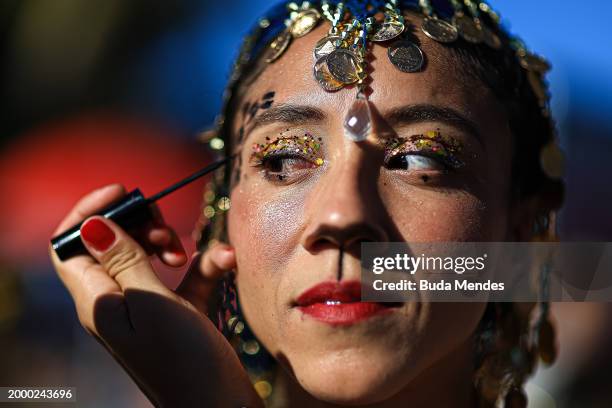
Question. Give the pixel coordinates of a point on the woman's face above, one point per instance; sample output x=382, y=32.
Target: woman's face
x=297, y=220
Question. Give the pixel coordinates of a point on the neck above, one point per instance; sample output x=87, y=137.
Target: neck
x=447, y=383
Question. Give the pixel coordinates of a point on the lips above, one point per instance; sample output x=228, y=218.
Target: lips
x=339, y=303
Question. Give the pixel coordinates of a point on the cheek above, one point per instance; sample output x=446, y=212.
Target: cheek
x=264, y=230
x=430, y=215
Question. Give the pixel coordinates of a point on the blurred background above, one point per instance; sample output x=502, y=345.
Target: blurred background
x=117, y=91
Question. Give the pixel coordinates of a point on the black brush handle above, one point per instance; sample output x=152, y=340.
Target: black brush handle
x=129, y=212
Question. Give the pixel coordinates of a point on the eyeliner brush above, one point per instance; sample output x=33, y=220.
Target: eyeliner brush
x=211, y=167
x=130, y=212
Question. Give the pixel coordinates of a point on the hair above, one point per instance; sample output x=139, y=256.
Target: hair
x=531, y=125
x=505, y=354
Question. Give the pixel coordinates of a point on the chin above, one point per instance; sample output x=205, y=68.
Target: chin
x=353, y=377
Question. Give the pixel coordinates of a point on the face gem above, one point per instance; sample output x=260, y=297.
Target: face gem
x=358, y=121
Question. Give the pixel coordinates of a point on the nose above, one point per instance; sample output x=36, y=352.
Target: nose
x=347, y=209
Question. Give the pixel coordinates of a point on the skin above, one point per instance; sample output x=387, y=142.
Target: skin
x=306, y=229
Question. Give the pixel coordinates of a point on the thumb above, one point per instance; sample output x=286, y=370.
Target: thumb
x=120, y=256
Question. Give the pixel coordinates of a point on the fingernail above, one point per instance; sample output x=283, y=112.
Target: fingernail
x=178, y=252
x=225, y=257
x=97, y=234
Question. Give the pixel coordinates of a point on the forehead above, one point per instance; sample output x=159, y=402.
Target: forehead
x=441, y=82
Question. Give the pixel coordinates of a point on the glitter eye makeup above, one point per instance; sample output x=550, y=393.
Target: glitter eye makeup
x=281, y=156
x=412, y=153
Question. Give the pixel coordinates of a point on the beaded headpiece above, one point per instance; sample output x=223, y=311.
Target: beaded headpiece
x=340, y=58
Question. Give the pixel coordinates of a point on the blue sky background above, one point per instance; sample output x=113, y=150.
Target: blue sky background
x=577, y=38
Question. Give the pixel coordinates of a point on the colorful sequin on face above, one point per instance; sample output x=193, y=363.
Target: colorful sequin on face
x=432, y=144
x=304, y=145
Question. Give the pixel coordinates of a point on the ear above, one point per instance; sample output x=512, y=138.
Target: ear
x=523, y=213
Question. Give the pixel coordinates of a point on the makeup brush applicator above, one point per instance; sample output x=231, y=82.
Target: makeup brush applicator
x=129, y=212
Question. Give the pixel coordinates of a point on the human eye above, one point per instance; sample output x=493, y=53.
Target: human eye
x=428, y=152
x=414, y=162
x=287, y=159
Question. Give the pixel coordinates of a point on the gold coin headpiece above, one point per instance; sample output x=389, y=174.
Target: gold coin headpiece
x=341, y=56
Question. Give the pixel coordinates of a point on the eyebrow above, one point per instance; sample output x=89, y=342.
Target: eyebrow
x=288, y=114
x=291, y=114
x=410, y=114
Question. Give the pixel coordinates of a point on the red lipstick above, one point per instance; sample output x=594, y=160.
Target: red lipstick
x=339, y=303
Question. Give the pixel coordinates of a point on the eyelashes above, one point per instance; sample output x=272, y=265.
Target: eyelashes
x=305, y=145
x=416, y=149
x=284, y=156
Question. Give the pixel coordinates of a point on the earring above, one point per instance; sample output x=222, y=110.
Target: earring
x=259, y=364
x=515, y=398
x=544, y=336
x=229, y=321
x=544, y=330
x=543, y=343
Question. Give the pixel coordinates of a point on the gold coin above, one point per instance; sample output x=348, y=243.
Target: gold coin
x=263, y=388
x=324, y=78
x=343, y=65
x=552, y=161
x=304, y=23
x=468, y=29
x=439, y=30
x=325, y=45
x=534, y=62
x=538, y=86
x=388, y=30
x=490, y=38
x=277, y=47
x=406, y=56
x=250, y=347
x=224, y=203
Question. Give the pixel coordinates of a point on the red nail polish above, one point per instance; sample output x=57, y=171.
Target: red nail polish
x=97, y=234
x=178, y=252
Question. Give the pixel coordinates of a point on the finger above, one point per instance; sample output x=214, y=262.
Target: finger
x=87, y=283
x=158, y=218
x=83, y=278
x=160, y=236
x=167, y=246
x=120, y=256
x=166, y=243
x=90, y=204
x=217, y=260
x=203, y=274
x=193, y=287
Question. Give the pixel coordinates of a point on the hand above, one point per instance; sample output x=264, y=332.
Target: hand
x=161, y=338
